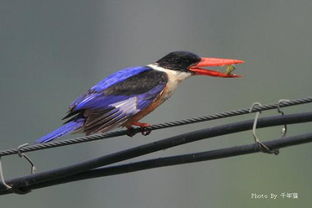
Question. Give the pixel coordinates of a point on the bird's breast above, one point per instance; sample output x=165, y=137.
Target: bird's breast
x=174, y=78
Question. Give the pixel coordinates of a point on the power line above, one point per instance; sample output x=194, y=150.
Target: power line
x=66, y=174
x=35, y=147
x=179, y=159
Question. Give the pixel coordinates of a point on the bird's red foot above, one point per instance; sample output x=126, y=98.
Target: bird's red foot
x=140, y=124
x=143, y=127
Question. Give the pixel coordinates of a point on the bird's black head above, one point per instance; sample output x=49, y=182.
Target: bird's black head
x=178, y=60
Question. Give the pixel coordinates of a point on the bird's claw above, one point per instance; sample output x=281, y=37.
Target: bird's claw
x=264, y=148
x=133, y=131
x=145, y=131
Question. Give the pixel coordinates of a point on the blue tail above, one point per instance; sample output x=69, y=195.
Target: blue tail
x=63, y=130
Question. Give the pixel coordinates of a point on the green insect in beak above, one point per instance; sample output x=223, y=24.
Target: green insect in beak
x=229, y=69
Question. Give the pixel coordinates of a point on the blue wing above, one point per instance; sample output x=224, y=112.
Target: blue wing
x=112, y=101
x=87, y=100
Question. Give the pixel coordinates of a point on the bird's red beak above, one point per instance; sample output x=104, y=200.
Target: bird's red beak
x=206, y=62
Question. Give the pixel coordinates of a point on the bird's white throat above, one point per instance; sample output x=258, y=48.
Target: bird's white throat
x=174, y=78
x=173, y=75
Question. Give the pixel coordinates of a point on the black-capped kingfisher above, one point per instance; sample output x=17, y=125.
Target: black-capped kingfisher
x=126, y=96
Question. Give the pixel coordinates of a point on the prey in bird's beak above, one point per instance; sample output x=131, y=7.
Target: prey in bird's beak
x=206, y=62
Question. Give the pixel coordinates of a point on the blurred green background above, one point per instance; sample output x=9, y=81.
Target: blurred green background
x=52, y=51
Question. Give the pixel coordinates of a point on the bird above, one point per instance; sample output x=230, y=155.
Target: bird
x=123, y=98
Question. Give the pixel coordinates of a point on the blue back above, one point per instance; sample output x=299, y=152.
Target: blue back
x=83, y=101
x=118, y=76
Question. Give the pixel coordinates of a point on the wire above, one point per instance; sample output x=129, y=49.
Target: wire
x=179, y=159
x=66, y=173
x=215, y=116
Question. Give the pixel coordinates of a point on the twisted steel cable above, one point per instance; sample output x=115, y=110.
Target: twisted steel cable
x=35, y=147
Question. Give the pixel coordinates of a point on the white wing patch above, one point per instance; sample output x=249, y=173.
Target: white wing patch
x=128, y=106
x=121, y=112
